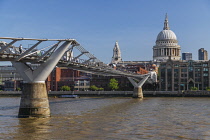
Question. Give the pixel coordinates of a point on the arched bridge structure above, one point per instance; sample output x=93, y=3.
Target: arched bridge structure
x=37, y=61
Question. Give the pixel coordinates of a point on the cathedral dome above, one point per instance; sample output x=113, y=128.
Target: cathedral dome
x=166, y=35
x=166, y=46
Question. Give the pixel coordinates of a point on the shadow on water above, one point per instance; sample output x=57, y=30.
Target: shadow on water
x=65, y=100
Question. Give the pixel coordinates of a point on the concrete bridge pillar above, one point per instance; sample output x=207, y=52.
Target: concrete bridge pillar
x=34, y=101
x=137, y=92
x=137, y=83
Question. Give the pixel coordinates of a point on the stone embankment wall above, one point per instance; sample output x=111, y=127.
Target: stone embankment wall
x=119, y=93
x=10, y=93
x=92, y=93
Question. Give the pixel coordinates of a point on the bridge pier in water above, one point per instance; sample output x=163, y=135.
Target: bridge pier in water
x=137, y=92
x=34, y=99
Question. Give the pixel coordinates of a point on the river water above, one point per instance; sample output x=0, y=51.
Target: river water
x=117, y=118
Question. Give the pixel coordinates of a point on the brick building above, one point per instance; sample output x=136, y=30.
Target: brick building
x=62, y=76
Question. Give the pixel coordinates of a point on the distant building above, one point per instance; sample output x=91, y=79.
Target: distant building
x=177, y=75
x=186, y=56
x=202, y=54
x=116, y=58
x=62, y=76
x=103, y=81
x=166, y=45
x=9, y=78
x=141, y=67
x=12, y=85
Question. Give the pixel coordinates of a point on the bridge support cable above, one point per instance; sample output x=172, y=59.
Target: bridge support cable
x=52, y=49
x=7, y=46
x=27, y=51
x=34, y=98
x=78, y=56
x=86, y=61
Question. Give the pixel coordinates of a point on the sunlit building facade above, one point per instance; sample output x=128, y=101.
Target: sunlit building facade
x=176, y=75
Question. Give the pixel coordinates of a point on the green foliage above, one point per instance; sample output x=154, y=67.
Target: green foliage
x=65, y=88
x=18, y=89
x=100, y=89
x=95, y=88
x=208, y=88
x=193, y=88
x=113, y=84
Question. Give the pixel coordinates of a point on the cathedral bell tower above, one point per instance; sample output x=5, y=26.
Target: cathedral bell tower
x=116, y=58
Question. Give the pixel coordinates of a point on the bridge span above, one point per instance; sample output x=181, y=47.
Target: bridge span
x=37, y=61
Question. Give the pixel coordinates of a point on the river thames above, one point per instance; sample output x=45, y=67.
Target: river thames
x=117, y=118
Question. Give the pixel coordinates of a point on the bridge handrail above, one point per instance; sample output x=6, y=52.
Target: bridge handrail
x=92, y=64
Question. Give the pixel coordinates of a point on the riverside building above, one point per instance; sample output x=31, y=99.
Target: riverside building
x=176, y=75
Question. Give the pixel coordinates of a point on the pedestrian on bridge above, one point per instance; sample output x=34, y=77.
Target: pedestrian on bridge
x=20, y=48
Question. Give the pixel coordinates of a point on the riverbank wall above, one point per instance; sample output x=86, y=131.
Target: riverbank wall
x=119, y=93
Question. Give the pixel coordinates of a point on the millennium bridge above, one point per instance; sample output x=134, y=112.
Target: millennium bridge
x=36, y=62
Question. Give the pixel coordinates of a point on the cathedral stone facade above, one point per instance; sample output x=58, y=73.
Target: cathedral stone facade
x=166, y=45
x=116, y=58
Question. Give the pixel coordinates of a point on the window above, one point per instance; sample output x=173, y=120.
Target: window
x=163, y=65
x=205, y=74
x=205, y=69
x=197, y=69
x=183, y=80
x=183, y=75
x=205, y=65
x=176, y=65
x=197, y=75
x=176, y=70
x=183, y=70
x=197, y=79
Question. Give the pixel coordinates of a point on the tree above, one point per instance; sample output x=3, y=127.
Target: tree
x=194, y=88
x=93, y=87
x=65, y=88
x=100, y=89
x=18, y=89
x=208, y=88
x=113, y=84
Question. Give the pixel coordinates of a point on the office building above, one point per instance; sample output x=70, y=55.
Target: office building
x=202, y=54
x=186, y=56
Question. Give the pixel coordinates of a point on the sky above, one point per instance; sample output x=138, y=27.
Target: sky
x=98, y=24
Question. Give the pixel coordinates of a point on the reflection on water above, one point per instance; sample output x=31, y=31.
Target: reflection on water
x=110, y=118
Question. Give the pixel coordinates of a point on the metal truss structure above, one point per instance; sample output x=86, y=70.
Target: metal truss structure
x=83, y=61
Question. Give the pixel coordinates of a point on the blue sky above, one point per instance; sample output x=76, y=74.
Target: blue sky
x=97, y=24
